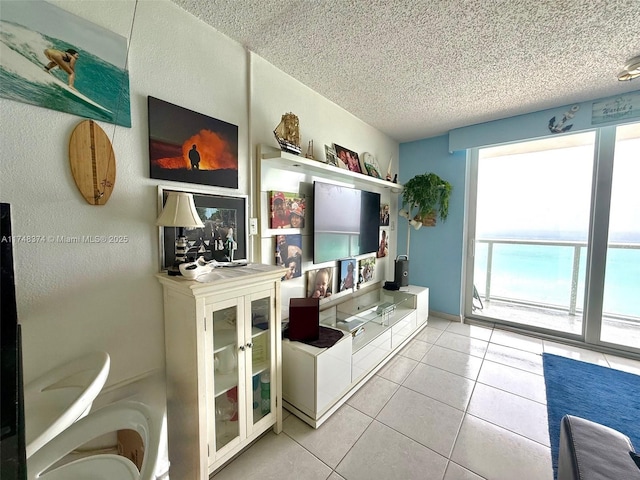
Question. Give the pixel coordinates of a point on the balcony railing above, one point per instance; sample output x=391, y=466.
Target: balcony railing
x=571, y=304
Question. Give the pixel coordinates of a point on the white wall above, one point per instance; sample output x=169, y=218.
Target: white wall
x=324, y=122
x=82, y=297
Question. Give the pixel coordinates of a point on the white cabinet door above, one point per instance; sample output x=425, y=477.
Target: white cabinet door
x=240, y=336
x=259, y=352
x=224, y=334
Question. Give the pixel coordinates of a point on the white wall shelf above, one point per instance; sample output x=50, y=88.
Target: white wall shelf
x=279, y=159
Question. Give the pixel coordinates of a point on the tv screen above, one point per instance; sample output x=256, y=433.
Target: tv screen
x=345, y=222
x=12, y=431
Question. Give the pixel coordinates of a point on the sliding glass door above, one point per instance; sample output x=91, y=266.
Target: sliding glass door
x=554, y=235
x=621, y=299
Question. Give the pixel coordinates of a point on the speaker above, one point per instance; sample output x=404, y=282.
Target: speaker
x=401, y=277
x=304, y=319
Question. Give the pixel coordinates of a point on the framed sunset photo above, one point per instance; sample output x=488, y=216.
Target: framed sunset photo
x=187, y=146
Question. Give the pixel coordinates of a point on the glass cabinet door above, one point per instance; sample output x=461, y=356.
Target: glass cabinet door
x=223, y=334
x=261, y=347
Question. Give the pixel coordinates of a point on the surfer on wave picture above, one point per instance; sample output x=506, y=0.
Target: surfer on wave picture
x=64, y=60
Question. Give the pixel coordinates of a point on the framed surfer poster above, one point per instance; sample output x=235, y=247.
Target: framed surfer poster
x=54, y=59
x=223, y=238
x=187, y=146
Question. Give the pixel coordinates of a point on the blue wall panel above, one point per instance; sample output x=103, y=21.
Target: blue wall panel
x=435, y=257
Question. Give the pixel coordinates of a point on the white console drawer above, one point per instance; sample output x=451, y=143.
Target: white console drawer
x=333, y=373
x=314, y=377
x=370, y=355
x=403, y=329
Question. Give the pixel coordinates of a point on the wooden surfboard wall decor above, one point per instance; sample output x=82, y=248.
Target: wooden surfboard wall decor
x=93, y=163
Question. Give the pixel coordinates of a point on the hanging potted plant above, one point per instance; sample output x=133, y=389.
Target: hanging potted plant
x=424, y=198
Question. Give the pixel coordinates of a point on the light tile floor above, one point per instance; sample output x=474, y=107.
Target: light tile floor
x=459, y=402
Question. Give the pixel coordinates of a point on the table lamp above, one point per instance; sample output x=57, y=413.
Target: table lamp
x=179, y=211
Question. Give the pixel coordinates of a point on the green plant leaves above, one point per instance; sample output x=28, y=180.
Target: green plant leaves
x=427, y=192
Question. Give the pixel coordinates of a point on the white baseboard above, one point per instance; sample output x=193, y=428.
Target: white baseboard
x=446, y=316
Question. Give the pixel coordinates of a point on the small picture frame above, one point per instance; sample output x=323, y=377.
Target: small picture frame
x=348, y=275
x=330, y=156
x=320, y=282
x=367, y=269
x=369, y=165
x=349, y=158
x=384, y=214
x=383, y=247
x=289, y=255
x=287, y=210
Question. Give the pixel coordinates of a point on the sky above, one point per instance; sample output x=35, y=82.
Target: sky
x=551, y=190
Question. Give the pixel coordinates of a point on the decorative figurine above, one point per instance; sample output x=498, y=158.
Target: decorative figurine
x=231, y=243
x=560, y=127
x=388, y=178
x=309, y=153
x=288, y=133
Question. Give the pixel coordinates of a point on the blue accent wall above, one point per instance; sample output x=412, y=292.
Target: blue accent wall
x=436, y=253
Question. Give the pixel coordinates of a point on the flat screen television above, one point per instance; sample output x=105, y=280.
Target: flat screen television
x=345, y=222
x=12, y=428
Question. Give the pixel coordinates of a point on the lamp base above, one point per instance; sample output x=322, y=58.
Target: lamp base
x=174, y=271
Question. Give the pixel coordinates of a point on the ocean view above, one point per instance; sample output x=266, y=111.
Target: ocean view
x=543, y=274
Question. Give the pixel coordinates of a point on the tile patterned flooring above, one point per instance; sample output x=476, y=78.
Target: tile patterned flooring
x=459, y=402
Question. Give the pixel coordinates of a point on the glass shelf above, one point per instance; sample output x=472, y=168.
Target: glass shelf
x=223, y=339
x=387, y=308
x=369, y=316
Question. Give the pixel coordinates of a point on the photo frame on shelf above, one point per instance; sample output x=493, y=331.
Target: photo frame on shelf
x=348, y=275
x=224, y=236
x=320, y=282
x=330, y=156
x=349, y=158
x=187, y=146
x=369, y=165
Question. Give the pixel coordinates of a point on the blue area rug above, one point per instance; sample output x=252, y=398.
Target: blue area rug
x=599, y=394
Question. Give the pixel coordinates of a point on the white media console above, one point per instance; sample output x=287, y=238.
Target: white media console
x=375, y=325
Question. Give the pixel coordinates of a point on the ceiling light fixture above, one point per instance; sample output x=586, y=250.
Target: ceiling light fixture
x=631, y=70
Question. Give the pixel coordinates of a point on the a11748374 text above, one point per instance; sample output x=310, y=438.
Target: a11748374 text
x=100, y=239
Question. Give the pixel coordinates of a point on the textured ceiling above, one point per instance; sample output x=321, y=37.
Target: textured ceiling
x=416, y=69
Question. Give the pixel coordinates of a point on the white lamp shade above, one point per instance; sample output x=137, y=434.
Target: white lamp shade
x=415, y=224
x=179, y=211
x=404, y=213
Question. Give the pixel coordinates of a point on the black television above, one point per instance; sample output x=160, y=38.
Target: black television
x=345, y=222
x=12, y=429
